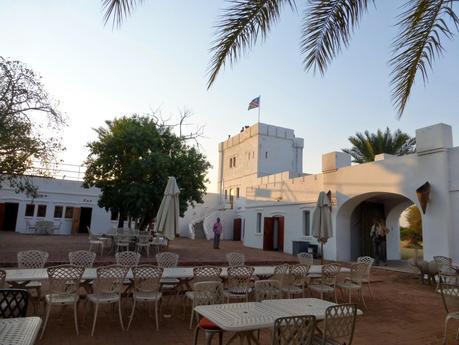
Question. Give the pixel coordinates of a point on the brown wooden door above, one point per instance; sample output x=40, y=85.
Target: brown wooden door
x=237, y=229
x=268, y=230
x=76, y=220
x=280, y=234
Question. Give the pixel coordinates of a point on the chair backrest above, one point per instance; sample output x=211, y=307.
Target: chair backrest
x=13, y=303
x=235, y=259
x=368, y=260
x=147, y=278
x=206, y=273
x=329, y=273
x=358, y=272
x=444, y=263
x=144, y=238
x=294, y=330
x=167, y=259
x=305, y=258
x=208, y=292
x=32, y=259
x=127, y=258
x=280, y=273
x=83, y=258
x=450, y=296
x=297, y=274
x=110, y=279
x=267, y=289
x=339, y=323
x=2, y=279
x=239, y=279
x=64, y=279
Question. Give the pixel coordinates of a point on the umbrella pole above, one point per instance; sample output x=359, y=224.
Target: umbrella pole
x=321, y=253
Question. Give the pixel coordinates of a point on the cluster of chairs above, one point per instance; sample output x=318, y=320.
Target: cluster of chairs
x=287, y=281
x=448, y=287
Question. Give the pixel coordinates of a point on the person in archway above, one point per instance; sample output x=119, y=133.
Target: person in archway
x=378, y=235
x=217, y=229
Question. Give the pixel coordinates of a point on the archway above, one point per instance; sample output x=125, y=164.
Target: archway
x=355, y=218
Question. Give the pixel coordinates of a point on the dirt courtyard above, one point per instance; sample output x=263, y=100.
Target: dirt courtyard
x=402, y=310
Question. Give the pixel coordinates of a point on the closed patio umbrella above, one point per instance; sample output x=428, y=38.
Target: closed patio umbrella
x=321, y=221
x=167, y=218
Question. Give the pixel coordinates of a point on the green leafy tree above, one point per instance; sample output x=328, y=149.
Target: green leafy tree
x=327, y=28
x=366, y=145
x=131, y=161
x=412, y=233
x=29, y=125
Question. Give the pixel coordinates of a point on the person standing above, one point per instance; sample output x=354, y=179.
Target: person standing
x=218, y=229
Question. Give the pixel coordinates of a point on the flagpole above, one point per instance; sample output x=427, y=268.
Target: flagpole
x=259, y=108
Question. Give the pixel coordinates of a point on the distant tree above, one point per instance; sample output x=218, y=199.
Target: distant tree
x=131, y=161
x=366, y=145
x=328, y=26
x=413, y=232
x=29, y=124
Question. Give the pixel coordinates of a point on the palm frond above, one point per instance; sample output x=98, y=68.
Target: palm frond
x=118, y=10
x=328, y=25
x=239, y=28
x=422, y=26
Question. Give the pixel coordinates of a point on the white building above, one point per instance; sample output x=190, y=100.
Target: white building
x=265, y=195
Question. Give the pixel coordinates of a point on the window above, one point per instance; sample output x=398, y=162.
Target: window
x=258, y=223
x=69, y=212
x=234, y=162
x=58, y=211
x=226, y=194
x=41, y=211
x=29, y=210
x=306, y=223
x=231, y=162
x=237, y=192
x=266, y=154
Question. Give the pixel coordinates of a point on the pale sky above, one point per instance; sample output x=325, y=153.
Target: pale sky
x=159, y=57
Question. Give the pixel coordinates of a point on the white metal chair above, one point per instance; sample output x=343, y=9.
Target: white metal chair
x=83, y=258
x=32, y=259
x=146, y=288
x=122, y=241
x=128, y=259
x=267, y=289
x=64, y=282
x=95, y=243
x=295, y=280
x=235, y=259
x=450, y=297
x=327, y=284
x=305, y=258
x=107, y=289
x=280, y=273
x=339, y=325
x=366, y=278
x=143, y=243
x=238, y=283
x=2, y=279
x=446, y=271
x=202, y=274
x=168, y=260
x=354, y=282
x=207, y=293
x=294, y=330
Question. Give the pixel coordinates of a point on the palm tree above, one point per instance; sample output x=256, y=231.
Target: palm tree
x=327, y=27
x=366, y=145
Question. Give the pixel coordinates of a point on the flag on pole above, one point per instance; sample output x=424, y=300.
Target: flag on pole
x=255, y=103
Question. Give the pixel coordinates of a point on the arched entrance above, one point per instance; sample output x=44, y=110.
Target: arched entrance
x=356, y=217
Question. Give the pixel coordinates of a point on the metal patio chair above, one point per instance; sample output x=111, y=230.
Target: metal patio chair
x=338, y=327
x=207, y=293
x=327, y=284
x=267, y=289
x=294, y=330
x=143, y=243
x=107, y=289
x=235, y=259
x=128, y=259
x=30, y=259
x=13, y=303
x=280, y=273
x=202, y=274
x=83, y=258
x=450, y=297
x=147, y=284
x=446, y=271
x=2, y=279
x=168, y=260
x=122, y=241
x=238, y=283
x=64, y=282
x=354, y=281
x=295, y=280
x=366, y=278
